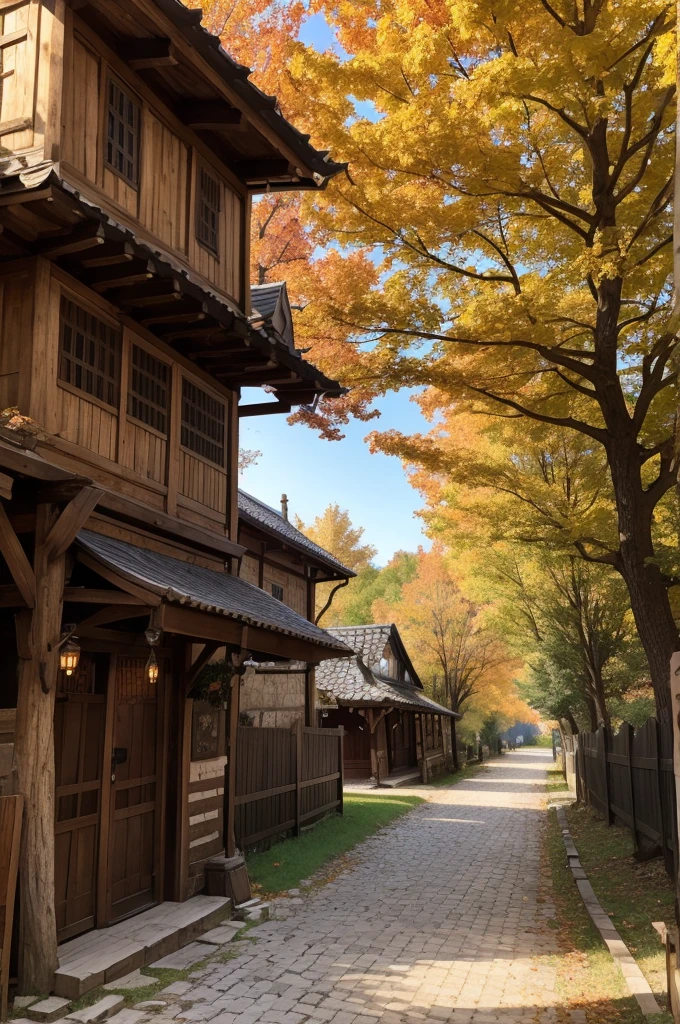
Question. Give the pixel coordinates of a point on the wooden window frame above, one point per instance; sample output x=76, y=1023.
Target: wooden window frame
x=134, y=343
x=203, y=203
x=215, y=397
x=64, y=381
x=112, y=82
x=278, y=586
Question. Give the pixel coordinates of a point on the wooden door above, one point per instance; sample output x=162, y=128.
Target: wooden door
x=134, y=863
x=78, y=745
x=401, y=740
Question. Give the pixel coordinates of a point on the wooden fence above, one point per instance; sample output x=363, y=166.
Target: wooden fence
x=284, y=779
x=628, y=778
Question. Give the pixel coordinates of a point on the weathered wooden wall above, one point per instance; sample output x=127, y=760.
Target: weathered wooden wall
x=163, y=207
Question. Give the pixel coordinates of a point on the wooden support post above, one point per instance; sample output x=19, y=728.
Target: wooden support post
x=375, y=766
x=310, y=696
x=299, y=740
x=229, y=814
x=606, y=744
x=341, y=769
x=38, y=633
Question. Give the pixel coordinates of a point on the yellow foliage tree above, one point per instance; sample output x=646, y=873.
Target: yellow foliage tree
x=334, y=531
x=512, y=181
x=455, y=649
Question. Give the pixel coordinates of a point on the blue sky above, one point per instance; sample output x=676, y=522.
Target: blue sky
x=315, y=473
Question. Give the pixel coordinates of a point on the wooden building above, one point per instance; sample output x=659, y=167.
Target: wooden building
x=282, y=561
x=131, y=147
x=394, y=733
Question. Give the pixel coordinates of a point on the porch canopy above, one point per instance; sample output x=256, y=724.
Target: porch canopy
x=203, y=603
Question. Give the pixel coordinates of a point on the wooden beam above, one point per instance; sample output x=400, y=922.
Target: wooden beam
x=71, y=520
x=263, y=409
x=135, y=511
x=86, y=236
x=20, y=460
x=106, y=278
x=17, y=562
x=174, y=318
x=144, y=596
x=113, y=613
x=210, y=116
x=19, y=124
x=264, y=170
x=12, y=38
x=199, y=664
x=152, y=295
x=6, y=483
x=194, y=332
x=153, y=52
x=85, y=595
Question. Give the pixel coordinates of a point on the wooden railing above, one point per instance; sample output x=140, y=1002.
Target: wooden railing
x=285, y=778
x=628, y=778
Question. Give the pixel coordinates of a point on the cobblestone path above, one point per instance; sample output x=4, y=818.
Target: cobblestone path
x=438, y=919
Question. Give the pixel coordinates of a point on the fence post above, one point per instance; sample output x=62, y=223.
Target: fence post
x=630, y=735
x=299, y=740
x=341, y=769
x=606, y=744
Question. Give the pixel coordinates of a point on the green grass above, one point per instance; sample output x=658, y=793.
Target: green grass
x=468, y=771
x=587, y=977
x=287, y=863
x=633, y=893
x=556, y=782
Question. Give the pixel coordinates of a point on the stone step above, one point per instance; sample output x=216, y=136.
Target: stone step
x=106, y=954
x=402, y=779
x=47, y=1010
x=101, y=1010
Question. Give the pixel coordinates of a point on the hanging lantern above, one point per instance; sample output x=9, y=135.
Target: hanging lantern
x=152, y=668
x=69, y=656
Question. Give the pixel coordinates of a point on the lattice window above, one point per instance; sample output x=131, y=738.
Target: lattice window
x=149, y=389
x=277, y=591
x=208, y=211
x=82, y=680
x=89, y=353
x=122, y=135
x=132, y=681
x=202, y=423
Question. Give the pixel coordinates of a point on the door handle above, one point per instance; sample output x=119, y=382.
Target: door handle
x=118, y=756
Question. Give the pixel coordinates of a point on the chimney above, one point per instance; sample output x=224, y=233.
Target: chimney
x=284, y=506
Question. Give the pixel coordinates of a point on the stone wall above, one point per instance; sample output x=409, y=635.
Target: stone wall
x=274, y=700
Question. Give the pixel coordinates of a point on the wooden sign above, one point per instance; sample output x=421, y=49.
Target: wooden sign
x=11, y=809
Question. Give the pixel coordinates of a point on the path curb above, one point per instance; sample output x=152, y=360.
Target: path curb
x=638, y=985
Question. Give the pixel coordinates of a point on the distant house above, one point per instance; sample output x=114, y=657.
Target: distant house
x=280, y=560
x=394, y=733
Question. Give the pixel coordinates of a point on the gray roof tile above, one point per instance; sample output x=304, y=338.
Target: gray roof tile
x=218, y=592
x=253, y=510
x=352, y=681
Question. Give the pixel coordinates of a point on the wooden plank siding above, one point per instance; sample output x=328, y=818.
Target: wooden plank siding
x=18, y=94
x=162, y=208
x=117, y=450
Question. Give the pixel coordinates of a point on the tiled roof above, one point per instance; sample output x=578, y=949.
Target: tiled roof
x=265, y=297
x=218, y=592
x=351, y=680
x=255, y=511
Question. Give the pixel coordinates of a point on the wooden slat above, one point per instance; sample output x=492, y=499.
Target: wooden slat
x=19, y=124
x=11, y=810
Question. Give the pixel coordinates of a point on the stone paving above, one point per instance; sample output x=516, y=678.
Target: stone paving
x=437, y=918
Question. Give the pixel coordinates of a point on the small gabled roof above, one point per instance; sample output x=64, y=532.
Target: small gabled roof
x=271, y=302
x=194, y=586
x=357, y=681
x=252, y=510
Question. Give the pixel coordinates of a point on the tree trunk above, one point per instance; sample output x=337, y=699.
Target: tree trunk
x=597, y=684
x=454, y=746
x=647, y=591
x=38, y=635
